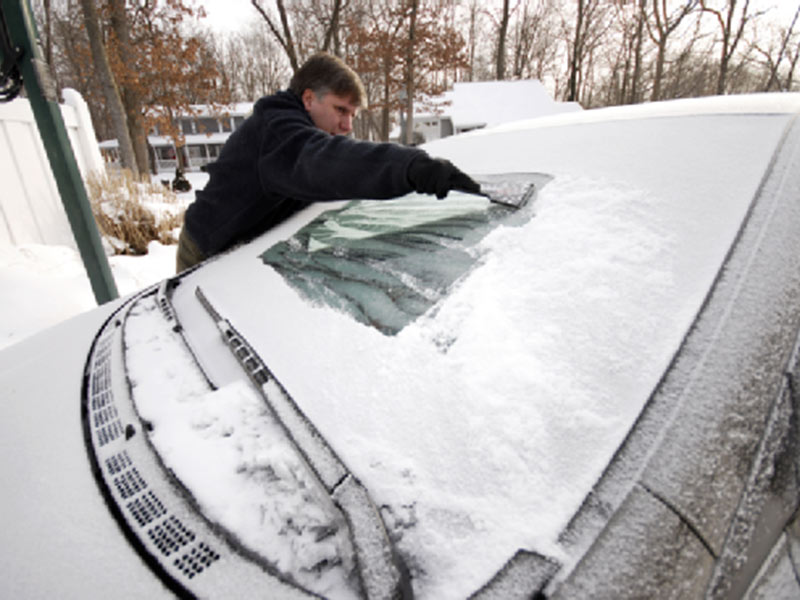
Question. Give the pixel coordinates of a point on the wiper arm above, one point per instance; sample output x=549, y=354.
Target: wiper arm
x=381, y=571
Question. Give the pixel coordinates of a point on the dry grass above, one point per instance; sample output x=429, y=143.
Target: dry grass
x=123, y=208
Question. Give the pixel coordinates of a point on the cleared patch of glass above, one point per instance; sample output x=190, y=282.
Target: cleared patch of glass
x=385, y=263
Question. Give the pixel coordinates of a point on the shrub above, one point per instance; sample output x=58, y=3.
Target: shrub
x=130, y=213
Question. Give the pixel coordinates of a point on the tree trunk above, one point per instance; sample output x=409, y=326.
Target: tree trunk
x=473, y=17
x=665, y=24
x=730, y=38
x=500, y=64
x=285, y=39
x=659, y=74
x=110, y=90
x=332, y=32
x=48, y=34
x=386, y=109
x=773, y=72
x=575, y=59
x=637, y=55
x=409, y=108
x=131, y=98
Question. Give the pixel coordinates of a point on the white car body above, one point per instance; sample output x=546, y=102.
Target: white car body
x=602, y=380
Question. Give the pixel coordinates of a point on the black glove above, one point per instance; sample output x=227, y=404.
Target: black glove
x=438, y=176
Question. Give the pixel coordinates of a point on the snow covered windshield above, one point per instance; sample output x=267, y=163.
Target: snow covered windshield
x=476, y=368
x=387, y=263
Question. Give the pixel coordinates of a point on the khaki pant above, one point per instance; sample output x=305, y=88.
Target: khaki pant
x=188, y=253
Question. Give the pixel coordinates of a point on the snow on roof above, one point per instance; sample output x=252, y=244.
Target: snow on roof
x=475, y=105
x=208, y=110
x=239, y=109
x=490, y=103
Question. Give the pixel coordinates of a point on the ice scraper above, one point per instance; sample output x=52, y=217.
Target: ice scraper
x=513, y=192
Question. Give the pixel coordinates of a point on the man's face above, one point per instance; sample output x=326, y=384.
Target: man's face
x=331, y=113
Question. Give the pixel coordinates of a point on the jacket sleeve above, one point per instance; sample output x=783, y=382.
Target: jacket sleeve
x=298, y=160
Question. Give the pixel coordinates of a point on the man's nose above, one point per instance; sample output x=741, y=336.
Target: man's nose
x=346, y=124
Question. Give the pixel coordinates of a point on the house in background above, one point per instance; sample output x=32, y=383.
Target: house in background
x=476, y=105
x=205, y=132
x=468, y=106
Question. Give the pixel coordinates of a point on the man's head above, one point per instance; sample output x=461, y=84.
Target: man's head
x=331, y=92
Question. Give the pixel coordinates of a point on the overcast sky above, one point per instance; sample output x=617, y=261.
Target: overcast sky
x=231, y=15
x=228, y=15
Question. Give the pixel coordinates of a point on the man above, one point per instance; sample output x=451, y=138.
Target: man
x=293, y=151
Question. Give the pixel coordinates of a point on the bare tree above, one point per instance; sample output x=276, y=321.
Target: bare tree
x=48, y=32
x=631, y=89
x=375, y=48
x=625, y=57
x=590, y=26
x=502, y=33
x=663, y=25
x=774, y=57
x=793, y=58
x=109, y=85
x=409, y=89
x=283, y=34
x=535, y=43
x=130, y=94
x=251, y=63
x=472, y=37
x=691, y=70
x=732, y=23
x=331, y=43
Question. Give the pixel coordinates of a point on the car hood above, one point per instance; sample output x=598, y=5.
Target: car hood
x=59, y=537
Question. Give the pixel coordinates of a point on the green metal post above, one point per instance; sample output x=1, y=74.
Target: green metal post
x=44, y=102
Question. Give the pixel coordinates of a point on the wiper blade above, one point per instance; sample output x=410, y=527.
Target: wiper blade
x=381, y=571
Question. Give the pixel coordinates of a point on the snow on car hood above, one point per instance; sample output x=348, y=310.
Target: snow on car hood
x=481, y=425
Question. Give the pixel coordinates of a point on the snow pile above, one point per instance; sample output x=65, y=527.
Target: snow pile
x=45, y=285
x=474, y=104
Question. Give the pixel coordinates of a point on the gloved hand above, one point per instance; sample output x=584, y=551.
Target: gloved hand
x=438, y=176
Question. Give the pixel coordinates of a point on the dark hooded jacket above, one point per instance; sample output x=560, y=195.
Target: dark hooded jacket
x=279, y=162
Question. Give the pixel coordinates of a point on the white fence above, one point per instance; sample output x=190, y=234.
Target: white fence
x=31, y=211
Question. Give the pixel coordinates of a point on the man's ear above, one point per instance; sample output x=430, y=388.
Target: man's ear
x=308, y=97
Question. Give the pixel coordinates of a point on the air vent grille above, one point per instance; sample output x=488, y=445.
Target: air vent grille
x=117, y=463
x=170, y=536
x=151, y=506
x=146, y=509
x=129, y=483
x=195, y=562
x=141, y=505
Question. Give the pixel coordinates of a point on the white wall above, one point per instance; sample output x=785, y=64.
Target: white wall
x=31, y=211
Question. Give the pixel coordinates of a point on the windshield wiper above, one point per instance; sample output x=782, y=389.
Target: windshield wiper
x=381, y=571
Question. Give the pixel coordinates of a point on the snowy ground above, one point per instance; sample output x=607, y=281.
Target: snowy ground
x=44, y=285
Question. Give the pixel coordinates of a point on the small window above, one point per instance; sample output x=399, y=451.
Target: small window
x=196, y=151
x=187, y=126
x=207, y=125
x=165, y=152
